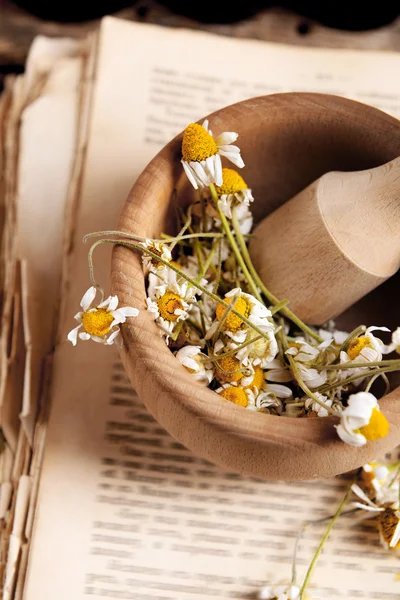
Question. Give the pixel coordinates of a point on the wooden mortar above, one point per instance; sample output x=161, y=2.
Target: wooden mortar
x=287, y=142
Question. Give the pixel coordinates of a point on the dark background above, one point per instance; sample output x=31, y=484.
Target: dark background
x=342, y=15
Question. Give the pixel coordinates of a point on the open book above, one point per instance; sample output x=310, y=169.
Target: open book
x=96, y=499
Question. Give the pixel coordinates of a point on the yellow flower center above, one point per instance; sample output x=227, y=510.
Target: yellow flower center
x=232, y=183
x=228, y=369
x=378, y=426
x=357, y=345
x=236, y=395
x=168, y=304
x=232, y=321
x=197, y=144
x=258, y=379
x=97, y=322
x=388, y=521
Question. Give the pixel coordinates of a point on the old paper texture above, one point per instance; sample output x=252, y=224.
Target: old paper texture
x=124, y=511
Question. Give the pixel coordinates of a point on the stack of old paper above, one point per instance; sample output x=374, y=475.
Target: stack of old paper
x=96, y=499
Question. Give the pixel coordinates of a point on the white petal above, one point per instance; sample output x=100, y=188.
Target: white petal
x=113, y=303
x=96, y=338
x=211, y=166
x=367, y=508
x=228, y=148
x=281, y=391
x=190, y=363
x=105, y=302
x=278, y=375
x=374, y=328
x=78, y=317
x=88, y=298
x=189, y=174
x=236, y=159
x=205, y=125
x=201, y=173
x=227, y=137
x=396, y=537
x=218, y=170
x=111, y=338
x=84, y=336
x=362, y=495
x=353, y=439
x=126, y=311
x=73, y=335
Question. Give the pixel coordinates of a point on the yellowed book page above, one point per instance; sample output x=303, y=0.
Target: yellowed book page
x=124, y=511
x=49, y=123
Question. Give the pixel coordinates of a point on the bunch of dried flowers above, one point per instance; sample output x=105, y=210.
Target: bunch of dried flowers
x=222, y=323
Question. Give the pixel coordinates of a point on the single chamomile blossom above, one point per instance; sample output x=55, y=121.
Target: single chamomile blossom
x=100, y=323
x=362, y=420
x=160, y=250
x=261, y=352
x=270, y=396
x=201, y=154
x=307, y=358
x=196, y=363
x=364, y=348
x=235, y=394
x=170, y=304
x=279, y=592
x=388, y=517
x=232, y=325
x=233, y=192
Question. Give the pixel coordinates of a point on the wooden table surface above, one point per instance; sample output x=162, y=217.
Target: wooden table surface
x=18, y=28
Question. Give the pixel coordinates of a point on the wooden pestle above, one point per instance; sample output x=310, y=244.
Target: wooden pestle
x=332, y=243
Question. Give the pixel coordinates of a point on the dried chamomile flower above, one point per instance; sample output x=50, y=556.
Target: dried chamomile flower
x=196, y=363
x=236, y=395
x=160, y=250
x=100, y=323
x=362, y=420
x=201, y=154
x=307, y=357
x=233, y=192
x=170, y=304
x=248, y=306
x=261, y=352
x=364, y=348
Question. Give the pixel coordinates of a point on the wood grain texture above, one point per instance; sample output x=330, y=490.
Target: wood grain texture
x=333, y=242
x=341, y=135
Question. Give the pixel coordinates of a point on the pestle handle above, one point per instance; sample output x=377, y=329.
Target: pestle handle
x=333, y=242
x=362, y=213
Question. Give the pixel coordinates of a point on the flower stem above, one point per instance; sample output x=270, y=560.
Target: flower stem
x=234, y=246
x=357, y=365
x=273, y=299
x=300, y=534
x=322, y=542
x=165, y=239
x=327, y=388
